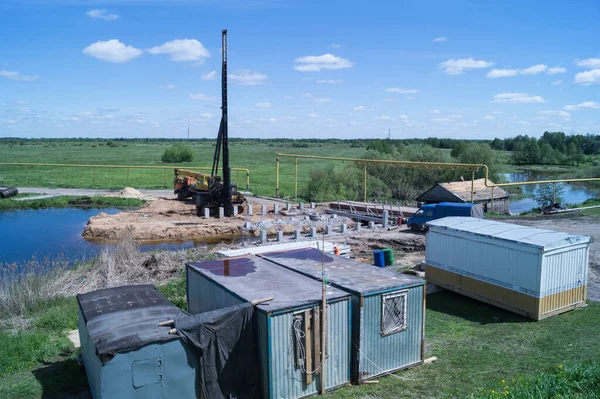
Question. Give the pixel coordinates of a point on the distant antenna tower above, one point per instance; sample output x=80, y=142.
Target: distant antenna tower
x=188, y=132
x=389, y=134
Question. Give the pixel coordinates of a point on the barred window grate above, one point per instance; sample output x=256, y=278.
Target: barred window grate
x=393, y=313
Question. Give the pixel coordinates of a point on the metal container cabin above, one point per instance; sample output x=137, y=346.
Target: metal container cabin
x=126, y=354
x=220, y=283
x=533, y=272
x=376, y=350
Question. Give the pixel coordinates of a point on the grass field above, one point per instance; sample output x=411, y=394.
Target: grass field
x=258, y=157
x=68, y=201
x=478, y=346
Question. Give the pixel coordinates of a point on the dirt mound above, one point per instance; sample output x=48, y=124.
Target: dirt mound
x=129, y=192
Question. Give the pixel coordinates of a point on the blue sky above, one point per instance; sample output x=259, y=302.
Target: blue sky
x=299, y=69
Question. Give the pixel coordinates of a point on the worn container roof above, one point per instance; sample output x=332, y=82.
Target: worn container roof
x=530, y=236
x=347, y=274
x=461, y=190
x=125, y=318
x=250, y=278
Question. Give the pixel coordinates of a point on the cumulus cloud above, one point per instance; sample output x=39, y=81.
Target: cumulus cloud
x=17, y=76
x=583, y=105
x=555, y=70
x=435, y=111
x=247, y=78
x=102, y=14
x=403, y=116
x=517, y=98
x=440, y=39
x=168, y=87
x=534, y=70
x=330, y=81
x=588, y=77
x=322, y=100
x=556, y=83
x=206, y=115
x=361, y=108
x=457, y=67
x=212, y=75
x=401, y=91
x=588, y=63
x=384, y=118
x=489, y=118
x=313, y=115
x=314, y=63
x=263, y=105
x=562, y=114
x=336, y=45
x=502, y=73
x=201, y=96
x=523, y=123
x=112, y=51
x=182, y=50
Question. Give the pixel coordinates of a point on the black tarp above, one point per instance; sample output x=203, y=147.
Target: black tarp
x=224, y=342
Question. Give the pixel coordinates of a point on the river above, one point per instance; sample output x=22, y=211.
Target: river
x=573, y=193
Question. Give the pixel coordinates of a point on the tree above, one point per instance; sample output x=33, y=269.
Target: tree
x=497, y=144
x=480, y=153
x=546, y=195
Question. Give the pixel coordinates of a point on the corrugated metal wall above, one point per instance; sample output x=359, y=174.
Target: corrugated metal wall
x=381, y=354
x=485, y=260
x=205, y=295
x=286, y=380
x=564, y=270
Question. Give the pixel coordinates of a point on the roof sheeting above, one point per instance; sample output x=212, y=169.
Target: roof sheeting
x=531, y=236
x=461, y=191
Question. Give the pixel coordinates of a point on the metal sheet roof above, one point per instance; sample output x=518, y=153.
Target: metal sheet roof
x=251, y=277
x=343, y=273
x=461, y=190
x=532, y=236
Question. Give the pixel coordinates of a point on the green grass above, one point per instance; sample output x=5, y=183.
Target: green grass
x=70, y=201
x=258, y=157
x=478, y=346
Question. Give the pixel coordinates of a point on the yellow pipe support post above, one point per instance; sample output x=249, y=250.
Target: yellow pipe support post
x=365, y=186
x=277, y=177
x=296, y=181
x=60, y=176
x=472, y=186
x=27, y=175
x=94, y=176
x=553, y=193
x=247, y=180
x=492, y=198
x=237, y=178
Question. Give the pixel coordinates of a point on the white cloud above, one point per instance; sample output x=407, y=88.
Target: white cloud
x=245, y=77
x=206, y=115
x=314, y=63
x=322, y=100
x=182, y=50
x=584, y=105
x=489, y=118
x=555, y=70
x=336, y=45
x=534, y=70
x=212, y=75
x=588, y=77
x=288, y=97
x=435, y=111
x=589, y=63
x=201, y=96
x=562, y=114
x=313, y=115
x=556, y=83
x=518, y=98
x=523, y=123
x=102, y=14
x=330, y=81
x=442, y=120
x=456, y=116
x=361, y=108
x=497, y=112
x=17, y=76
x=401, y=91
x=403, y=116
x=384, y=118
x=502, y=73
x=263, y=105
x=456, y=67
x=309, y=95
x=112, y=51
x=440, y=39
x=168, y=87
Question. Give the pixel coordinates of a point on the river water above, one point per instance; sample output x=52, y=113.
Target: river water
x=55, y=234
x=573, y=193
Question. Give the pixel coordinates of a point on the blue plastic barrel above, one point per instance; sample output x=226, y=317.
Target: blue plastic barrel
x=379, y=258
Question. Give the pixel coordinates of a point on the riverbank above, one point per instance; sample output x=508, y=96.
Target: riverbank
x=16, y=203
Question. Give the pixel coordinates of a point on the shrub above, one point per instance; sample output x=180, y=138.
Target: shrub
x=178, y=153
x=545, y=194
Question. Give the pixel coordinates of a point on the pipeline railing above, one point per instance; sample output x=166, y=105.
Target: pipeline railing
x=28, y=165
x=423, y=165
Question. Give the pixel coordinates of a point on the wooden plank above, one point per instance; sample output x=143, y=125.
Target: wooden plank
x=316, y=328
x=308, y=347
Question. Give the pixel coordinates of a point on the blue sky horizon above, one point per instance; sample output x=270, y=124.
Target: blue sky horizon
x=298, y=69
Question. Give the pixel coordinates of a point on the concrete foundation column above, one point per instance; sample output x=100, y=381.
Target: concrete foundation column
x=313, y=231
x=206, y=213
x=263, y=210
x=372, y=225
x=344, y=228
x=221, y=212
x=297, y=234
x=248, y=225
x=301, y=205
x=280, y=236
x=276, y=209
x=328, y=229
x=263, y=236
x=358, y=226
x=249, y=210
x=312, y=205
x=386, y=216
x=235, y=210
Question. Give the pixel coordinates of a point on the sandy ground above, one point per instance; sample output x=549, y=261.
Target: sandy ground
x=168, y=219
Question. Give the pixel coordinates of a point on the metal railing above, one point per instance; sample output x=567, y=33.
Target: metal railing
x=422, y=165
x=28, y=165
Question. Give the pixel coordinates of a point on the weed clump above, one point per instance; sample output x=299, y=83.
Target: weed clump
x=178, y=153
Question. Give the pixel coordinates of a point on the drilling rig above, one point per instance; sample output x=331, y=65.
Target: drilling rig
x=212, y=191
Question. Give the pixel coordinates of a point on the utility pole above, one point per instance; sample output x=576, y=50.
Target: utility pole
x=389, y=135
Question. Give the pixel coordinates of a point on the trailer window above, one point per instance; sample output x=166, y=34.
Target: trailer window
x=393, y=313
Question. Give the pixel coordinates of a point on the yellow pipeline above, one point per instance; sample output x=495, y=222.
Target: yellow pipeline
x=25, y=164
